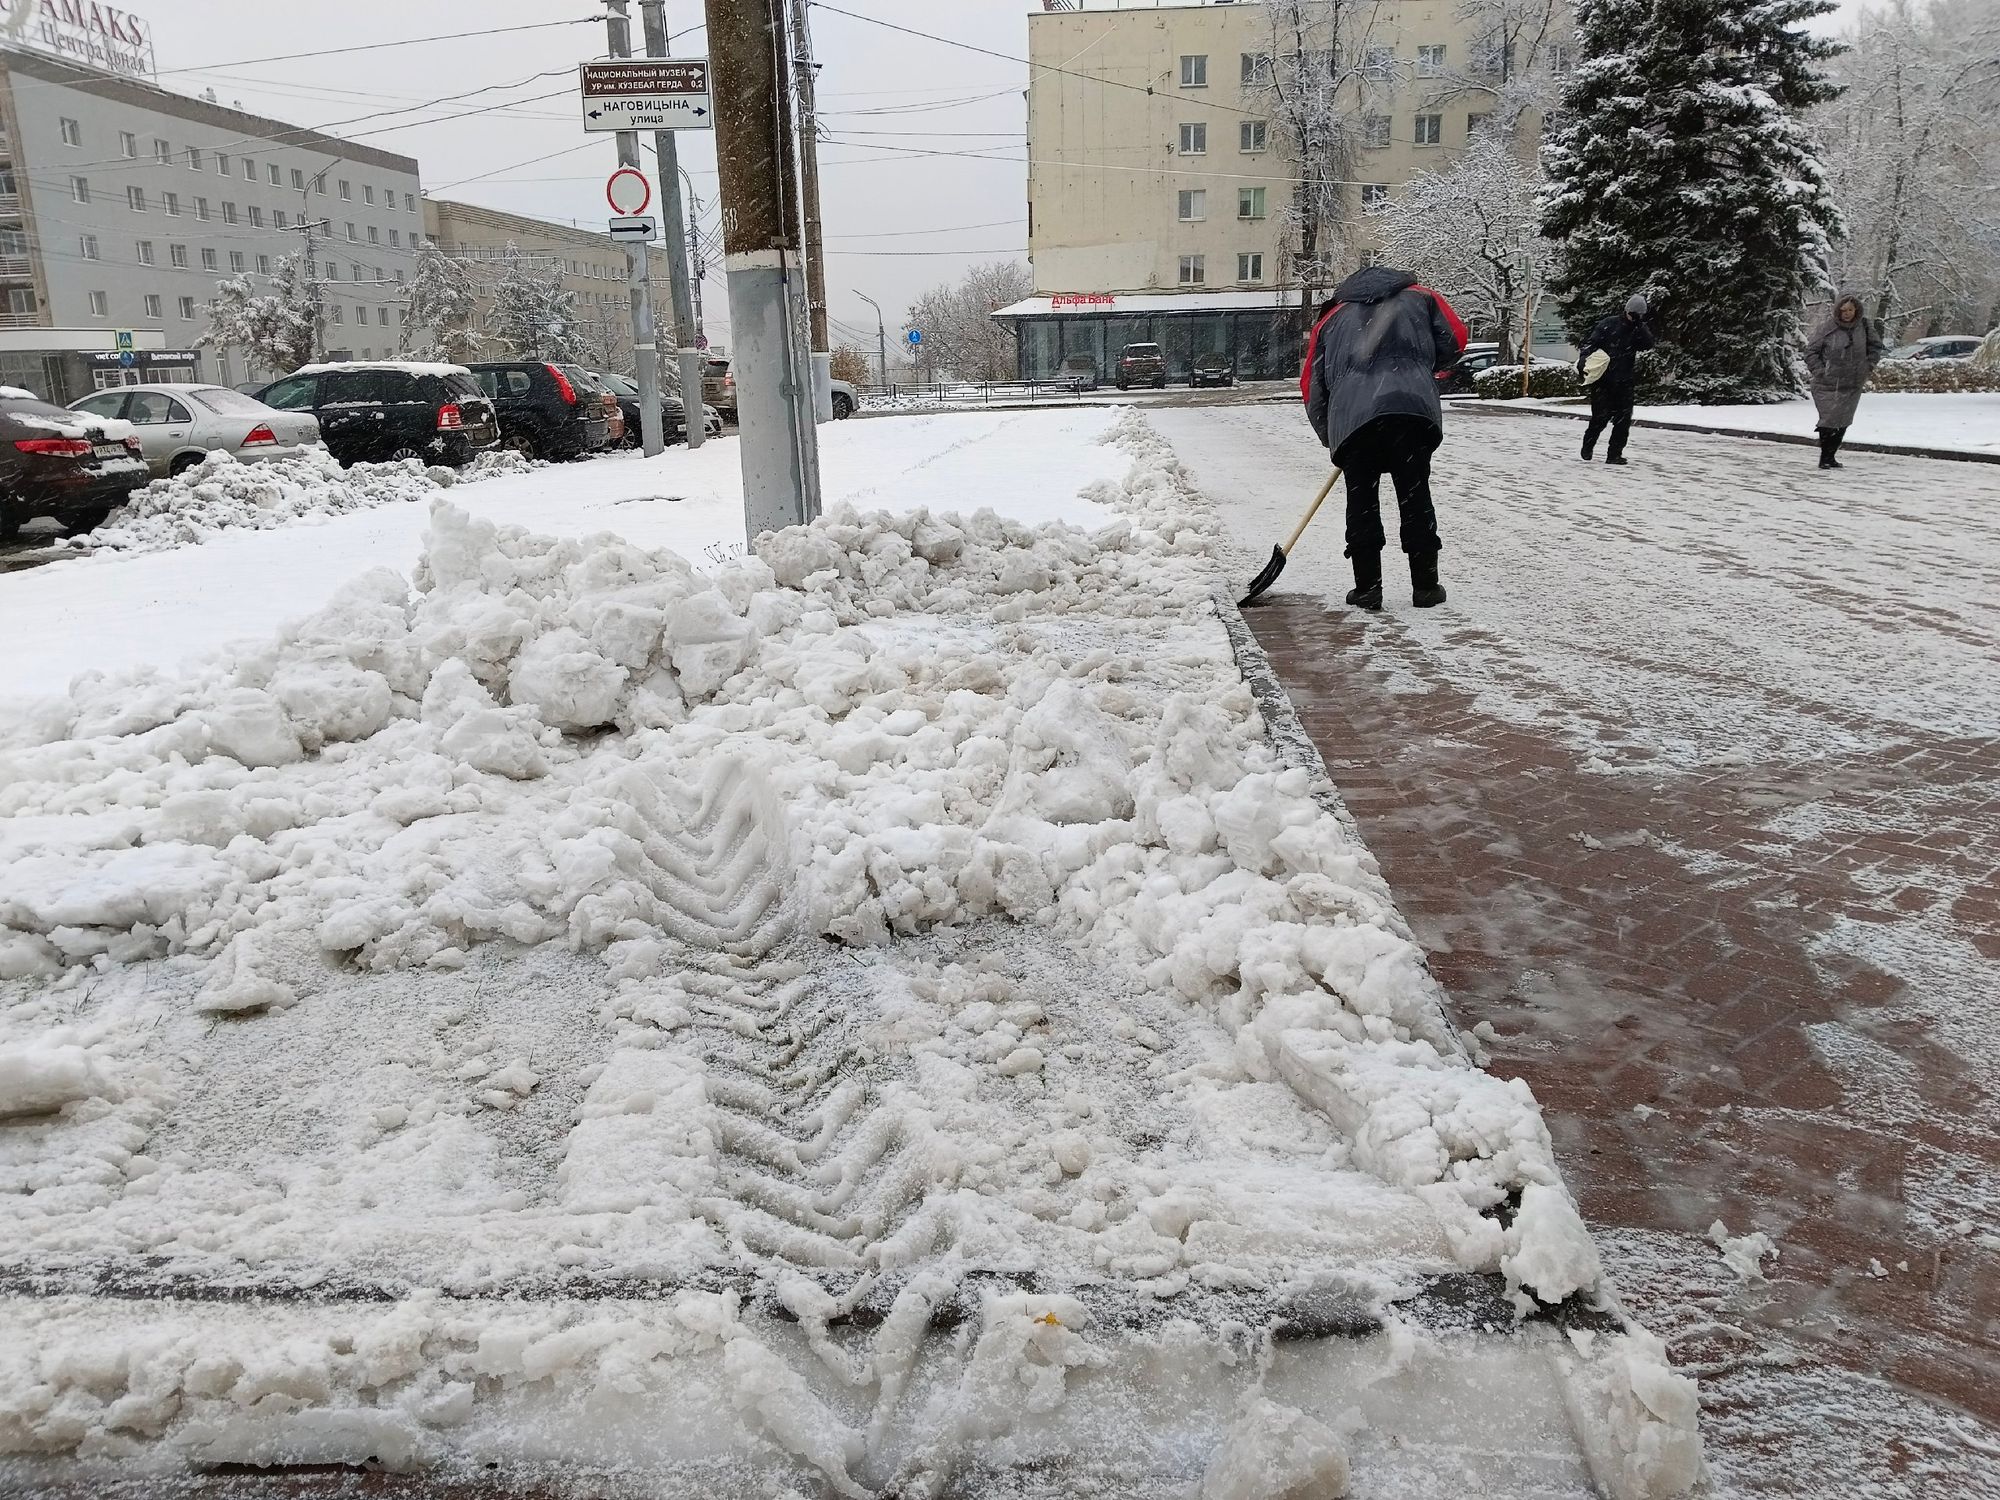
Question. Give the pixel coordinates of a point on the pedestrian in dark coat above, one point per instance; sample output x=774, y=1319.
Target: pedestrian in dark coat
x=1371, y=392
x=1624, y=337
x=1840, y=359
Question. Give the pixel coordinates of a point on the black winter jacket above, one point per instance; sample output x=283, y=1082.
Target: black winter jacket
x=1624, y=339
x=1377, y=354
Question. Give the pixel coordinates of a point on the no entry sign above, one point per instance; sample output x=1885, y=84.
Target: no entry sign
x=647, y=93
x=628, y=191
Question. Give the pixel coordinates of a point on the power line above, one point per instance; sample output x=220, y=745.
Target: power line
x=414, y=41
x=894, y=234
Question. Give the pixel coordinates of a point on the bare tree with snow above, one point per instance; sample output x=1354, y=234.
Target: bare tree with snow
x=961, y=339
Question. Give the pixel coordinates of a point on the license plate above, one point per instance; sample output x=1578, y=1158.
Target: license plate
x=111, y=450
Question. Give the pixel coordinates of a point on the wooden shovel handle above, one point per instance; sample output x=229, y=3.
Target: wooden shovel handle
x=1312, y=510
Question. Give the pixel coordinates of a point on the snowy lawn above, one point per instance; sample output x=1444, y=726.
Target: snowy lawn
x=1966, y=423
x=877, y=1011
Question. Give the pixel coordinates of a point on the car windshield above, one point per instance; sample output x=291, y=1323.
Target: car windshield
x=228, y=403
x=1143, y=351
x=1910, y=351
x=461, y=383
x=620, y=385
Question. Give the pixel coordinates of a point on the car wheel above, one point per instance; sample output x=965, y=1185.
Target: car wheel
x=843, y=407
x=10, y=523
x=182, y=464
x=521, y=443
x=80, y=521
x=1160, y=384
x=397, y=455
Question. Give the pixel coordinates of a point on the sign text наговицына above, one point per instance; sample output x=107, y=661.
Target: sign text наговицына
x=647, y=93
x=84, y=32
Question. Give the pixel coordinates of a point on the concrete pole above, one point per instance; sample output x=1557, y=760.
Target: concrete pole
x=822, y=347
x=666, y=151
x=881, y=338
x=637, y=269
x=753, y=131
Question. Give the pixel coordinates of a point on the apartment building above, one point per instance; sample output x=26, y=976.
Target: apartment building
x=1160, y=178
x=589, y=264
x=123, y=204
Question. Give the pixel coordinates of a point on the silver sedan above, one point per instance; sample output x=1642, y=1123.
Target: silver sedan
x=177, y=425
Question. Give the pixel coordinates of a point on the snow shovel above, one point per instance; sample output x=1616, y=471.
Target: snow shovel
x=1279, y=555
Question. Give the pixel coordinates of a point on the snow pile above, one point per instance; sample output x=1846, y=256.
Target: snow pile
x=221, y=493
x=1113, y=996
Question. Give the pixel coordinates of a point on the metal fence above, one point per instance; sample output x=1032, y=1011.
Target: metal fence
x=968, y=392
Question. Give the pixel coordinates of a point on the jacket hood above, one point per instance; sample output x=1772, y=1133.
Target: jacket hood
x=1833, y=313
x=1373, y=284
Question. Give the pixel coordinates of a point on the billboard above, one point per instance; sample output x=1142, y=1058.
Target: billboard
x=84, y=32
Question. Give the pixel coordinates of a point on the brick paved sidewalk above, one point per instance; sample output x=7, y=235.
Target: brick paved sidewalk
x=1731, y=988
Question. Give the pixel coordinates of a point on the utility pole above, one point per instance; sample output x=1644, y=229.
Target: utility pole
x=822, y=349
x=666, y=154
x=881, y=337
x=760, y=251
x=638, y=268
x=697, y=267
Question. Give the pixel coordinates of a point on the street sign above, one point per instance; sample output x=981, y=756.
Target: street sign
x=124, y=340
x=127, y=359
x=629, y=228
x=916, y=336
x=647, y=93
x=628, y=191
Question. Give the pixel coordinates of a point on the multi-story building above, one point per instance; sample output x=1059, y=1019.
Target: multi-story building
x=590, y=265
x=1162, y=184
x=123, y=204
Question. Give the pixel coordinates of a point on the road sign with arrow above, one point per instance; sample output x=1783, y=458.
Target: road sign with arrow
x=647, y=93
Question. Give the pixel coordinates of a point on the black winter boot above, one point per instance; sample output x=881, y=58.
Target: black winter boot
x=1367, y=590
x=1829, y=444
x=1425, y=590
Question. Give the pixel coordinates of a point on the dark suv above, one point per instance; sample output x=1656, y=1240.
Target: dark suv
x=1142, y=364
x=381, y=412
x=546, y=410
x=64, y=464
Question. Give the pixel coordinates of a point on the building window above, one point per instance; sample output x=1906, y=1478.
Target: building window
x=256, y=217
x=339, y=313
x=128, y=145
x=319, y=184
x=1194, y=140
x=21, y=299
x=1194, y=270
x=399, y=278
x=208, y=261
x=1474, y=124
x=229, y=213
x=163, y=152
x=351, y=235
x=1430, y=61
x=236, y=261
x=382, y=316
x=153, y=305
x=1378, y=62
x=1250, y=203
x=79, y=189
x=249, y=170
x=1375, y=131
x=346, y=189
x=1193, y=204
x=263, y=265
x=135, y=199
x=396, y=238
x=1562, y=58
x=222, y=162
x=100, y=305
x=274, y=176
x=367, y=193
x=379, y=277
x=1252, y=135
x=187, y=309
x=1194, y=72
x=1256, y=69
x=354, y=271
x=333, y=270
x=1373, y=195
x=281, y=219
x=13, y=242
x=409, y=203
x=298, y=179
x=201, y=209
x=145, y=248
x=72, y=133
x=86, y=246
x=194, y=158
x=171, y=203
x=1250, y=266
x=1430, y=129
x=177, y=256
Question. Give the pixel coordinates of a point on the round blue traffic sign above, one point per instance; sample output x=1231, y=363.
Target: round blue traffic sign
x=916, y=336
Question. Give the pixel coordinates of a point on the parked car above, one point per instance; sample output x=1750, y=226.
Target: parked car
x=711, y=421
x=1212, y=369
x=1142, y=364
x=1081, y=368
x=614, y=414
x=380, y=411
x=673, y=414
x=179, y=425
x=846, y=400
x=73, y=466
x=1457, y=379
x=718, y=385
x=1939, y=346
x=545, y=410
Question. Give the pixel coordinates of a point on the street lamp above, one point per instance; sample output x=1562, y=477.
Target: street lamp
x=881, y=336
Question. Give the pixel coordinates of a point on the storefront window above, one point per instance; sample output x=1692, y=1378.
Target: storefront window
x=1041, y=348
x=1084, y=336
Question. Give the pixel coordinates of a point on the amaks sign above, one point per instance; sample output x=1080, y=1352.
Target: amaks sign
x=85, y=32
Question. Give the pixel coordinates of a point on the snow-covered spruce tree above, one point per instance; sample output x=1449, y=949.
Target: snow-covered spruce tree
x=534, y=314
x=276, y=329
x=438, y=309
x=1682, y=169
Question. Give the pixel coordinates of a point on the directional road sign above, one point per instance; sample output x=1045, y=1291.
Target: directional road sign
x=634, y=228
x=647, y=93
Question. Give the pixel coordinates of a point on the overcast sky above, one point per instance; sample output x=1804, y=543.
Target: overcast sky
x=896, y=221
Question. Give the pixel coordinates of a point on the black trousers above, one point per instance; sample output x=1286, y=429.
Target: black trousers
x=1612, y=408
x=1829, y=442
x=1401, y=448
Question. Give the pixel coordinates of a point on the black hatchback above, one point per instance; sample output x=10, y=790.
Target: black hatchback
x=64, y=464
x=546, y=410
x=382, y=412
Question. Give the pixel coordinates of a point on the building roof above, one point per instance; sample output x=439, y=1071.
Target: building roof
x=150, y=96
x=443, y=211
x=1083, y=304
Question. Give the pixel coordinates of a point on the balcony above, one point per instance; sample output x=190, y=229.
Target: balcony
x=10, y=205
x=21, y=320
x=15, y=268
